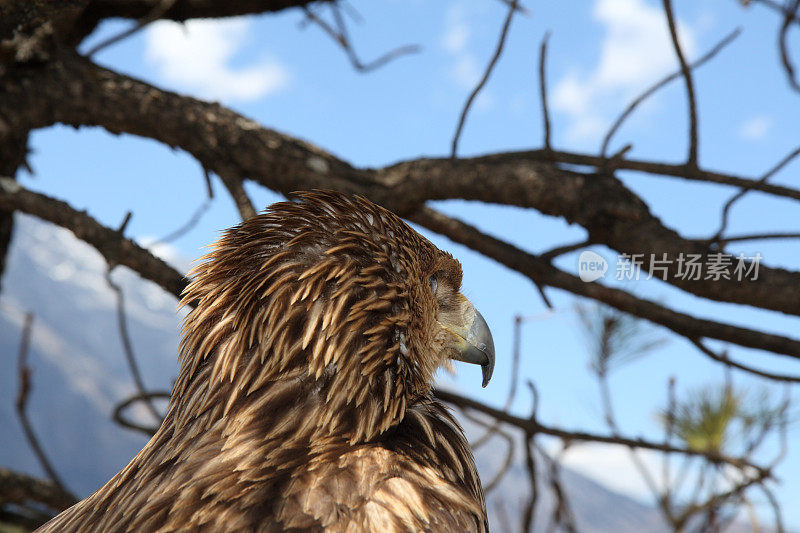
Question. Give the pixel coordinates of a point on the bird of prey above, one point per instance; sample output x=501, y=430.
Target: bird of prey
x=303, y=401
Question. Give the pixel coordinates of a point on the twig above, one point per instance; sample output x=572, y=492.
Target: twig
x=562, y=513
x=240, y=198
x=561, y=250
x=775, y=506
x=512, y=389
x=195, y=218
x=339, y=34
x=669, y=432
x=608, y=412
x=789, y=17
x=522, y=9
x=122, y=324
x=687, y=76
x=547, y=274
x=115, y=248
x=534, y=426
x=772, y=4
x=654, y=88
x=717, y=497
x=158, y=11
x=662, y=169
x=494, y=429
x=502, y=515
x=736, y=197
x=24, y=372
x=530, y=465
x=543, y=90
x=146, y=397
x=724, y=359
x=750, y=237
x=543, y=295
x=489, y=68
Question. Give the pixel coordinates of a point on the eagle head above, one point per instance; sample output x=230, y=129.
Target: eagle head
x=330, y=301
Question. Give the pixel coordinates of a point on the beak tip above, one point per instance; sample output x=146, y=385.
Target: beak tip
x=488, y=369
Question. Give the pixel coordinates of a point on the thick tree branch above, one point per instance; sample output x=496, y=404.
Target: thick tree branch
x=21, y=488
x=237, y=148
x=111, y=245
x=119, y=250
x=539, y=270
x=188, y=9
x=181, y=10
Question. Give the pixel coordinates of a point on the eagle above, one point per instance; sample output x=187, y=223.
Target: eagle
x=304, y=399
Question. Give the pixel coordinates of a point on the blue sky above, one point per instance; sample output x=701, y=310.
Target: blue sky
x=293, y=78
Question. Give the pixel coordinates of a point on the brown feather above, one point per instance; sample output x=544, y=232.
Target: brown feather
x=303, y=401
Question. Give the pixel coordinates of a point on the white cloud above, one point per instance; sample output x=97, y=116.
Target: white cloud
x=755, y=128
x=465, y=70
x=636, y=52
x=456, y=33
x=196, y=56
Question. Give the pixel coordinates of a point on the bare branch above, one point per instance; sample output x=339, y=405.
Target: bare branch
x=486, y=73
x=127, y=345
x=543, y=90
x=687, y=76
x=542, y=271
x=24, y=372
x=724, y=359
x=664, y=169
x=113, y=247
x=665, y=81
x=243, y=202
x=562, y=514
x=530, y=465
x=194, y=219
x=561, y=250
x=158, y=11
x=21, y=489
x=736, y=197
x=494, y=429
x=233, y=146
x=788, y=18
x=514, y=380
x=750, y=237
x=775, y=506
x=147, y=398
x=340, y=35
x=535, y=427
x=181, y=10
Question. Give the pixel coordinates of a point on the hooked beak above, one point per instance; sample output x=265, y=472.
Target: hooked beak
x=473, y=340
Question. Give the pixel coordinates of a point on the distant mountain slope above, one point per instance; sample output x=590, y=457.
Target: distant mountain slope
x=80, y=373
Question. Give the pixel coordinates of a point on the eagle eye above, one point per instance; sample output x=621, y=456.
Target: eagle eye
x=434, y=283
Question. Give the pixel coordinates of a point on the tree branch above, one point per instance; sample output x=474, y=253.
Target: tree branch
x=181, y=10
x=501, y=41
x=687, y=77
x=113, y=247
x=18, y=488
x=237, y=148
x=533, y=426
x=542, y=271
